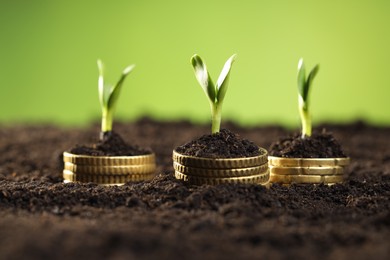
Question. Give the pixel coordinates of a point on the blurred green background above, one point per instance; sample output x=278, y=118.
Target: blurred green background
x=48, y=53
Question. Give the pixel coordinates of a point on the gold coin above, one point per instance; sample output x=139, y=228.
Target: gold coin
x=255, y=179
x=109, y=160
x=335, y=170
x=108, y=170
x=308, y=162
x=105, y=179
x=288, y=179
x=221, y=163
x=220, y=173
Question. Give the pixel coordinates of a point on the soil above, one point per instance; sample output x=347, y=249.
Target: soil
x=111, y=145
x=224, y=144
x=318, y=145
x=43, y=218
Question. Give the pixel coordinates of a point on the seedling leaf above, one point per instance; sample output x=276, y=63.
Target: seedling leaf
x=203, y=77
x=310, y=79
x=302, y=88
x=223, y=79
x=101, y=88
x=115, y=90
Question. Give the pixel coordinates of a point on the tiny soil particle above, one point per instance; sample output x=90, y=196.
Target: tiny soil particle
x=224, y=144
x=319, y=145
x=113, y=145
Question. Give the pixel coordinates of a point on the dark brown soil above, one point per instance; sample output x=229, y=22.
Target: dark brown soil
x=42, y=218
x=224, y=144
x=318, y=145
x=111, y=145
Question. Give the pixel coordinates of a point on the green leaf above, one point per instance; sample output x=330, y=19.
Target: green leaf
x=115, y=90
x=223, y=79
x=101, y=88
x=203, y=77
x=311, y=77
x=302, y=87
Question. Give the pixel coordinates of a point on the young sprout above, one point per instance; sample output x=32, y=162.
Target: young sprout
x=304, y=85
x=108, y=96
x=214, y=92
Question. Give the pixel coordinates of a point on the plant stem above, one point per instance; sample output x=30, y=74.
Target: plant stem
x=306, y=122
x=106, y=120
x=216, y=114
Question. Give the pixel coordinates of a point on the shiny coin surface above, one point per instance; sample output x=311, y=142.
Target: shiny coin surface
x=109, y=160
x=221, y=163
x=335, y=170
x=255, y=179
x=105, y=179
x=308, y=162
x=220, y=173
x=106, y=170
x=288, y=179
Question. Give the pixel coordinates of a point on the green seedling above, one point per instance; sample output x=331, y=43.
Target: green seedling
x=304, y=85
x=214, y=92
x=108, y=96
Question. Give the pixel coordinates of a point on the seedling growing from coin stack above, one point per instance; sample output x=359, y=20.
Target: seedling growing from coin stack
x=222, y=156
x=307, y=158
x=214, y=92
x=108, y=96
x=110, y=161
x=304, y=85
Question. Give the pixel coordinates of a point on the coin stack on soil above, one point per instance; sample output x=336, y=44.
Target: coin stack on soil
x=307, y=170
x=109, y=170
x=198, y=170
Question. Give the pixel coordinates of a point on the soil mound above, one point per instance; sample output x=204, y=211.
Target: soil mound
x=224, y=144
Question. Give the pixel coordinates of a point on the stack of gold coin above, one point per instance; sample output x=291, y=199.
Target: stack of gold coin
x=198, y=170
x=307, y=170
x=108, y=170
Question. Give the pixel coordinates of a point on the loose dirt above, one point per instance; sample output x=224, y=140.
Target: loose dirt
x=42, y=218
x=224, y=144
x=319, y=145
